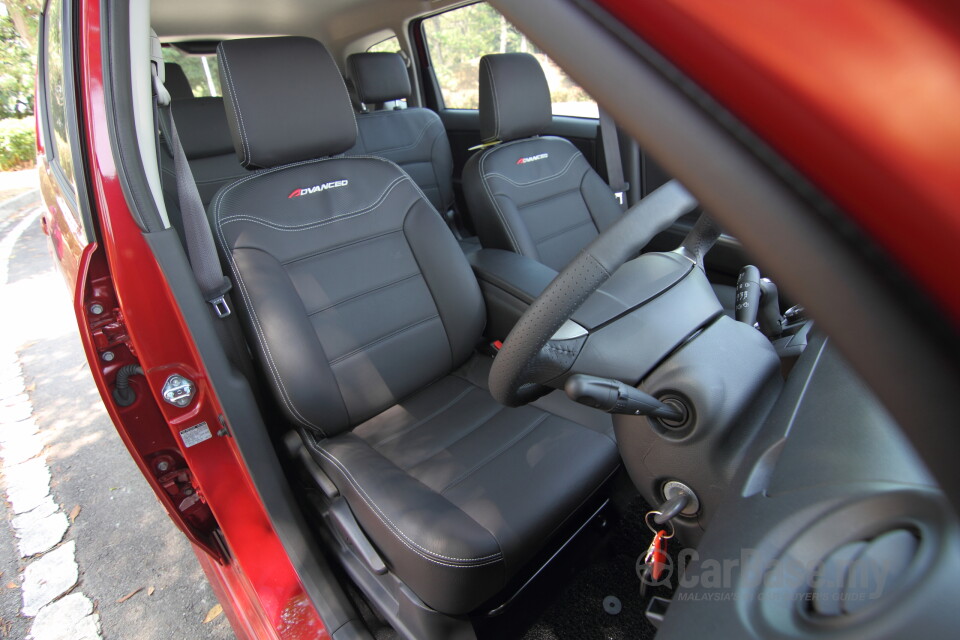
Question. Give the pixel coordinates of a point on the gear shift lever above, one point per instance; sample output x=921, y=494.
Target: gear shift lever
x=769, y=318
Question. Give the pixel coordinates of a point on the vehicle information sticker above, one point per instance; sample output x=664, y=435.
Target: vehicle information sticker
x=195, y=434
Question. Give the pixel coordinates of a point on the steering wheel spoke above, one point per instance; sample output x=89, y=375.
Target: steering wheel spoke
x=523, y=363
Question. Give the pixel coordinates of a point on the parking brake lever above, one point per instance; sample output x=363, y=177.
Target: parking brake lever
x=614, y=396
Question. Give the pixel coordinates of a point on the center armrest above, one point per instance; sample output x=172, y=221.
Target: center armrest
x=509, y=282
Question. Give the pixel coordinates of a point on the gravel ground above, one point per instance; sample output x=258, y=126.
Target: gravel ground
x=124, y=539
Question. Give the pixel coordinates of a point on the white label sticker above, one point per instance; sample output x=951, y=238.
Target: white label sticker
x=195, y=434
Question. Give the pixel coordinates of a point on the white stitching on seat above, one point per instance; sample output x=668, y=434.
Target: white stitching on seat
x=216, y=204
x=496, y=102
x=563, y=171
x=236, y=109
x=399, y=534
x=275, y=373
x=493, y=199
x=315, y=225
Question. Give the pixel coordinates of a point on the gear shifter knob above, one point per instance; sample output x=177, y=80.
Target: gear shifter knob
x=769, y=318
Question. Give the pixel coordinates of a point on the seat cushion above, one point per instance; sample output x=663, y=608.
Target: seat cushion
x=458, y=492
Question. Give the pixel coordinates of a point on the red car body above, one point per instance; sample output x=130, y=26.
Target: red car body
x=820, y=82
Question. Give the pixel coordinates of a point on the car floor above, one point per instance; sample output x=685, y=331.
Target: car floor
x=578, y=611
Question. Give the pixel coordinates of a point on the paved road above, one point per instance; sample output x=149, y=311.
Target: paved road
x=124, y=539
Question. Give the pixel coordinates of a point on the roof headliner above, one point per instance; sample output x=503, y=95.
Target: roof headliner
x=336, y=23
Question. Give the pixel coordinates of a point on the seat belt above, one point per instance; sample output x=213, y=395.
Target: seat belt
x=200, y=247
x=611, y=157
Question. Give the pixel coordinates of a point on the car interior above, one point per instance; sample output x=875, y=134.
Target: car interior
x=494, y=373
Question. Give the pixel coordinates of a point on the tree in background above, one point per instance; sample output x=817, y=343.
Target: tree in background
x=18, y=61
x=201, y=70
x=23, y=14
x=457, y=40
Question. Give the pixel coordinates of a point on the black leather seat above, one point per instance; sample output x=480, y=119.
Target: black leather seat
x=363, y=313
x=413, y=138
x=531, y=194
x=206, y=141
x=176, y=81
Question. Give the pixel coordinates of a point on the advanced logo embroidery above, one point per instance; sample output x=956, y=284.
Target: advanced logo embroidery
x=296, y=193
x=533, y=158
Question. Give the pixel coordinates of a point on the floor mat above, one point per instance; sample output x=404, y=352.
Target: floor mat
x=578, y=611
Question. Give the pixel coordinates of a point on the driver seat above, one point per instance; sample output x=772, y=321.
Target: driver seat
x=363, y=314
x=531, y=194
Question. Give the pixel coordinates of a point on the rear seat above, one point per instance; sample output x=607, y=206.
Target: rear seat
x=176, y=82
x=413, y=138
x=205, y=137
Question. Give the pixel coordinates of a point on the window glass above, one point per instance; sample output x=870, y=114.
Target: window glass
x=390, y=45
x=201, y=71
x=56, y=88
x=457, y=40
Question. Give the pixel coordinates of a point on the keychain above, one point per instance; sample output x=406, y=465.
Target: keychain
x=655, y=559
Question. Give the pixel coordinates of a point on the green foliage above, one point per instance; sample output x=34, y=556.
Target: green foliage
x=18, y=146
x=24, y=14
x=17, y=72
x=192, y=65
x=459, y=38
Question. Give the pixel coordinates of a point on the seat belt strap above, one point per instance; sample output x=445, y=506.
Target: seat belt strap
x=611, y=157
x=200, y=246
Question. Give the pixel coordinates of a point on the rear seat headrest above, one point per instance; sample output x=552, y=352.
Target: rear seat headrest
x=379, y=77
x=202, y=127
x=514, y=97
x=285, y=100
x=176, y=82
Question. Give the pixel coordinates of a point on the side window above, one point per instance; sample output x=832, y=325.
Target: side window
x=201, y=70
x=390, y=45
x=56, y=89
x=457, y=39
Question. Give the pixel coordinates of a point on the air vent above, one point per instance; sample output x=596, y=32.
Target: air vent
x=862, y=574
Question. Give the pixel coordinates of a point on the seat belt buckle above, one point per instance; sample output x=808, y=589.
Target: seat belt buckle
x=220, y=307
x=621, y=195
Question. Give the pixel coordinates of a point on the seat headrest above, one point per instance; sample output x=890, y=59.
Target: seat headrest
x=379, y=77
x=202, y=127
x=285, y=100
x=514, y=97
x=176, y=82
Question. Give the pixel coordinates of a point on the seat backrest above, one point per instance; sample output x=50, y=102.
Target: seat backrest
x=353, y=292
x=206, y=141
x=176, y=82
x=205, y=137
x=532, y=194
x=413, y=138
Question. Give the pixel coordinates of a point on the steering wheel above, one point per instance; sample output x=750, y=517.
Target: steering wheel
x=512, y=377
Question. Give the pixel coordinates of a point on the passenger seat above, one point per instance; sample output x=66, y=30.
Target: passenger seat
x=413, y=138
